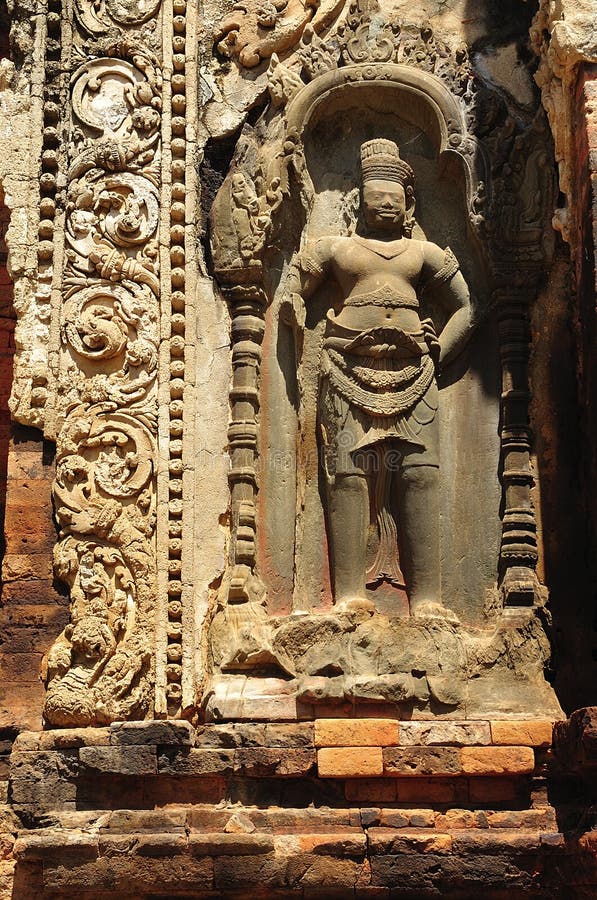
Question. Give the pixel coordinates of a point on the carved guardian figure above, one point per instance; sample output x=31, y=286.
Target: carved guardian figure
x=404, y=314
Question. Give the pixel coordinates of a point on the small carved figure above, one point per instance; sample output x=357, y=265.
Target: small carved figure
x=378, y=394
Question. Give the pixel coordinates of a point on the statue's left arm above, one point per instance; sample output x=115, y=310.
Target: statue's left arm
x=443, y=281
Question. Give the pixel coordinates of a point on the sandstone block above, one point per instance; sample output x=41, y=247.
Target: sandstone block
x=222, y=844
x=575, y=740
x=27, y=740
x=532, y=733
x=456, y=819
x=130, y=876
x=393, y=818
x=74, y=737
x=129, y=760
x=51, y=844
x=146, y=821
x=26, y=566
x=159, y=844
x=352, y=845
x=271, y=762
x=385, y=841
x=231, y=734
x=195, y=761
x=349, y=762
x=239, y=823
x=485, y=840
x=291, y=734
x=267, y=871
x=43, y=780
x=444, y=733
x=436, y=761
x=152, y=732
x=327, y=874
x=543, y=819
x=356, y=732
x=421, y=818
x=497, y=760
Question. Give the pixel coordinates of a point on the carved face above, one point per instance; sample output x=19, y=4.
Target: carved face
x=384, y=205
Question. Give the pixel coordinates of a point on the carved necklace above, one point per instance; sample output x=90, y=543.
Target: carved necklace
x=386, y=254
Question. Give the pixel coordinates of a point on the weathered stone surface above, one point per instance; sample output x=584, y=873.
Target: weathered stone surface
x=575, y=740
x=497, y=760
x=272, y=762
x=349, y=762
x=43, y=780
x=527, y=734
x=139, y=733
x=230, y=844
x=119, y=760
x=438, y=761
x=446, y=733
x=229, y=594
x=195, y=762
x=48, y=845
x=356, y=733
x=145, y=821
x=388, y=841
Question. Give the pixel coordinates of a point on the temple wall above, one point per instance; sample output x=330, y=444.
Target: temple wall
x=220, y=675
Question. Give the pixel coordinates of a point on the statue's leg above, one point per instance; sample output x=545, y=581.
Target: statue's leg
x=348, y=514
x=417, y=496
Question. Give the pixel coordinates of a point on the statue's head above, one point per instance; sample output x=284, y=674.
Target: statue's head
x=388, y=197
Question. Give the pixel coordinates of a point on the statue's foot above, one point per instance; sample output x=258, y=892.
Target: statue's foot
x=429, y=609
x=355, y=605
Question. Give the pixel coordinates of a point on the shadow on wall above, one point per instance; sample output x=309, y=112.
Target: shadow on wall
x=566, y=519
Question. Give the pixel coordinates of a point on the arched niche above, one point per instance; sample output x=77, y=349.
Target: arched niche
x=402, y=104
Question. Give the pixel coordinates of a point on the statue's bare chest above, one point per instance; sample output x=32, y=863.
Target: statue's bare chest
x=357, y=258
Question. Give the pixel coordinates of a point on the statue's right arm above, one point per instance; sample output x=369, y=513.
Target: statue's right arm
x=307, y=273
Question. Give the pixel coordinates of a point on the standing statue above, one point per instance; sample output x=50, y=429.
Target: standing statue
x=378, y=394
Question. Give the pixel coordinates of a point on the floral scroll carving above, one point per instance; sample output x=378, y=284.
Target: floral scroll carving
x=100, y=668
x=95, y=16
x=256, y=30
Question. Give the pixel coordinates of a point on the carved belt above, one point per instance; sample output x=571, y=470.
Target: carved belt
x=387, y=341
x=385, y=297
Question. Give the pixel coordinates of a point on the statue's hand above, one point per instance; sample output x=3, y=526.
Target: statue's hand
x=431, y=339
x=292, y=312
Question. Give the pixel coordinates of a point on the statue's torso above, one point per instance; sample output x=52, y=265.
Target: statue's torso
x=378, y=281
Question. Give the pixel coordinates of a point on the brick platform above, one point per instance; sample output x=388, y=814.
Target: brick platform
x=160, y=809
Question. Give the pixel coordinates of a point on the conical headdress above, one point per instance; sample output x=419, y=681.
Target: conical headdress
x=380, y=160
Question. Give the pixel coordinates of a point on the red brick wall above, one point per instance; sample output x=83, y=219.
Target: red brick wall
x=32, y=612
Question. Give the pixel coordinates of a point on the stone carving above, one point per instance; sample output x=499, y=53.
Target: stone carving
x=96, y=17
x=99, y=669
x=378, y=395
x=259, y=28
x=96, y=671
x=366, y=394
x=366, y=36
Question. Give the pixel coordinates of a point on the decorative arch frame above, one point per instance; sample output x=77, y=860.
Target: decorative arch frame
x=426, y=102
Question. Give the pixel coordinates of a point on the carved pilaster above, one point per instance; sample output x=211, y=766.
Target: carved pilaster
x=176, y=640
x=248, y=325
x=105, y=339
x=518, y=552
